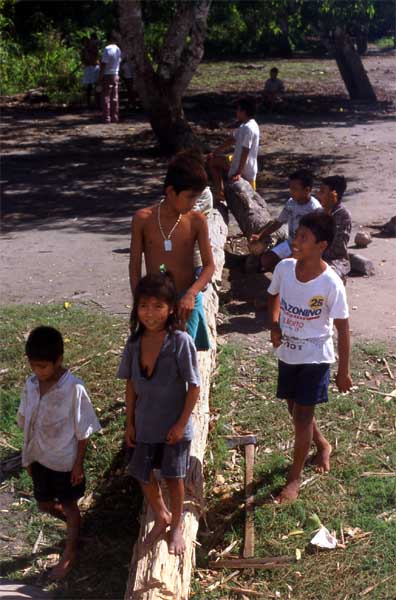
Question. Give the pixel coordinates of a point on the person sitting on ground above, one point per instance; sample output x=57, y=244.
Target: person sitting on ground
x=89, y=59
x=306, y=297
x=108, y=79
x=243, y=163
x=300, y=203
x=57, y=419
x=161, y=367
x=274, y=89
x=166, y=234
x=330, y=195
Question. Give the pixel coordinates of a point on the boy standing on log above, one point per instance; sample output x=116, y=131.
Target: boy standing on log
x=305, y=298
x=243, y=163
x=330, y=195
x=300, y=203
x=166, y=234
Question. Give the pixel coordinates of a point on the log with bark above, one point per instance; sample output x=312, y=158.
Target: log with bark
x=158, y=575
x=251, y=212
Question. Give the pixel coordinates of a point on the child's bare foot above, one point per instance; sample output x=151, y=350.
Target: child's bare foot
x=289, y=492
x=321, y=460
x=160, y=525
x=63, y=567
x=176, y=543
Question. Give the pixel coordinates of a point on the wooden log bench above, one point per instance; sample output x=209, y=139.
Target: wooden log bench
x=157, y=575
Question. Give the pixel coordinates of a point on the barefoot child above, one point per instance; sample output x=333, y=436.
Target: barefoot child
x=161, y=368
x=57, y=418
x=300, y=203
x=166, y=234
x=305, y=298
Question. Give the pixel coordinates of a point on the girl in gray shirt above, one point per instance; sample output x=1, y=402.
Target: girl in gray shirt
x=161, y=368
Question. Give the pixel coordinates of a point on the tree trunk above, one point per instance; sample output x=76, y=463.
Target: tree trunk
x=158, y=575
x=351, y=68
x=249, y=209
x=161, y=89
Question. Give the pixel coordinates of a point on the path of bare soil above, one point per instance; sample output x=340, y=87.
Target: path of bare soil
x=71, y=185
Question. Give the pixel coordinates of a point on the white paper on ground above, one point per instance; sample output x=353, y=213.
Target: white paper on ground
x=324, y=539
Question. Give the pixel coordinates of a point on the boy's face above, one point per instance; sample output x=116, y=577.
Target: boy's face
x=45, y=369
x=327, y=197
x=153, y=313
x=182, y=202
x=298, y=192
x=305, y=246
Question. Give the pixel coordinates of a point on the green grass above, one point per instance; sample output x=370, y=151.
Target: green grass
x=93, y=342
x=231, y=75
x=361, y=428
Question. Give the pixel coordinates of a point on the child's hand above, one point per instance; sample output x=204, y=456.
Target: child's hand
x=130, y=437
x=77, y=474
x=175, y=434
x=185, y=307
x=276, y=335
x=343, y=381
x=255, y=237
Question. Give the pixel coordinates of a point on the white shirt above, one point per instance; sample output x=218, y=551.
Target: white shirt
x=54, y=423
x=293, y=211
x=112, y=57
x=246, y=136
x=307, y=311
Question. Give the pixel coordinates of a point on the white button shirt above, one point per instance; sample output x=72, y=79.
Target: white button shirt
x=55, y=422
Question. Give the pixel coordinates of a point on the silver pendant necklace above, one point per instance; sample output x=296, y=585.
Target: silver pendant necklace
x=167, y=238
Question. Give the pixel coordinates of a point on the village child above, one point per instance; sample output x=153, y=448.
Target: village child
x=243, y=162
x=330, y=196
x=306, y=297
x=161, y=368
x=166, y=234
x=57, y=419
x=300, y=203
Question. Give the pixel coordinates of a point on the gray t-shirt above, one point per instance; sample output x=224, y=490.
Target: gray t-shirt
x=160, y=398
x=293, y=211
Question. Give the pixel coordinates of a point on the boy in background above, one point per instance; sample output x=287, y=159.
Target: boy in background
x=306, y=298
x=166, y=234
x=243, y=163
x=330, y=196
x=57, y=419
x=274, y=89
x=299, y=204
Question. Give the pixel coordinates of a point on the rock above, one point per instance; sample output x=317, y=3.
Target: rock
x=390, y=227
x=362, y=265
x=362, y=239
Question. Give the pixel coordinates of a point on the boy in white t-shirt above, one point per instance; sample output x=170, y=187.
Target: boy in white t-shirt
x=299, y=204
x=243, y=163
x=306, y=297
x=57, y=419
x=109, y=70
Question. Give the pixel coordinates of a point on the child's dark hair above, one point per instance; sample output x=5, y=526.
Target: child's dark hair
x=186, y=171
x=321, y=225
x=44, y=343
x=248, y=105
x=304, y=176
x=336, y=183
x=155, y=285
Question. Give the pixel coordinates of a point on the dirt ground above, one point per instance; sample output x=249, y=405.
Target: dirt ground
x=71, y=185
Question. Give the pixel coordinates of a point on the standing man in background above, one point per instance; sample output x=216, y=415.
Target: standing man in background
x=109, y=69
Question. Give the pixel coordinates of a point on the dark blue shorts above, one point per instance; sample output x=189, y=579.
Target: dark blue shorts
x=305, y=384
x=171, y=459
x=52, y=486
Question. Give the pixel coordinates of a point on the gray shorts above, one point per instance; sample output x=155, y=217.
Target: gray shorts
x=171, y=459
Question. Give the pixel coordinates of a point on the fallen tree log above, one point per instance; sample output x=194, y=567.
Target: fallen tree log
x=251, y=212
x=158, y=575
